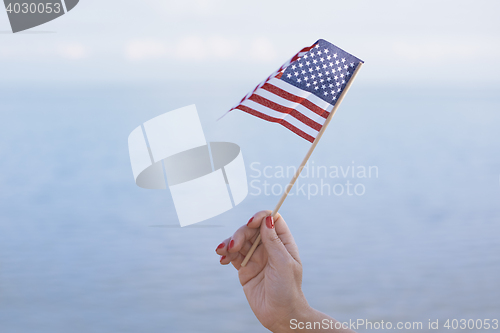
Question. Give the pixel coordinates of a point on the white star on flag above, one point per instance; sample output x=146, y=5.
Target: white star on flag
x=286, y=97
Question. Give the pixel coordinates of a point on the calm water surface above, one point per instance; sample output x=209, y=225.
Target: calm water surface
x=82, y=249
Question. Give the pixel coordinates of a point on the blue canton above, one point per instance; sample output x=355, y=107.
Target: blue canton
x=323, y=71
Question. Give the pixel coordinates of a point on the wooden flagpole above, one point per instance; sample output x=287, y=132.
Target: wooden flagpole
x=304, y=161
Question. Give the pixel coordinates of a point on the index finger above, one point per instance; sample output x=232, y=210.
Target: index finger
x=242, y=240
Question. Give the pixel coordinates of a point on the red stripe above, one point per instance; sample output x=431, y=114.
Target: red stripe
x=295, y=57
x=276, y=120
x=304, y=50
x=280, y=108
x=306, y=103
x=293, y=98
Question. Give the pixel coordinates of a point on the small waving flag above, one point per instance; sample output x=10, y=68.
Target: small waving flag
x=301, y=94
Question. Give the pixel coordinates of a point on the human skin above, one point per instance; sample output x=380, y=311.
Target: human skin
x=272, y=279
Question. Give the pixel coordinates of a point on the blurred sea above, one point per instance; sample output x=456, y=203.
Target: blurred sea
x=83, y=249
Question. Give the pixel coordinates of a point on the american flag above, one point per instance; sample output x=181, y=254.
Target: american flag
x=301, y=94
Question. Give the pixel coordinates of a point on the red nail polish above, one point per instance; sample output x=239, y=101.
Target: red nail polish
x=249, y=221
x=221, y=245
x=222, y=258
x=269, y=222
x=231, y=244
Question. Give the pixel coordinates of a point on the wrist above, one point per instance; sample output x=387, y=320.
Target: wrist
x=301, y=312
x=306, y=318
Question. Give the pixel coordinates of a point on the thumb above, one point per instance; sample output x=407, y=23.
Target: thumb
x=275, y=248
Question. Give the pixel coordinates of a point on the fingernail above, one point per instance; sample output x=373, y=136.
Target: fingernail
x=221, y=245
x=222, y=258
x=269, y=222
x=250, y=221
x=231, y=243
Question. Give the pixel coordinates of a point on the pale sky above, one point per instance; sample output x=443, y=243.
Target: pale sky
x=154, y=40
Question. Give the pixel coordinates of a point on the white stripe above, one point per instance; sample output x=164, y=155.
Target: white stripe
x=293, y=105
x=286, y=64
x=275, y=114
x=299, y=92
x=270, y=77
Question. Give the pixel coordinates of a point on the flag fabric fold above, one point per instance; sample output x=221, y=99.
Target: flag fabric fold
x=301, y=94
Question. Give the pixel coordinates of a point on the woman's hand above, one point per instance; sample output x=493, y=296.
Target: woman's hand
x=272, y=278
